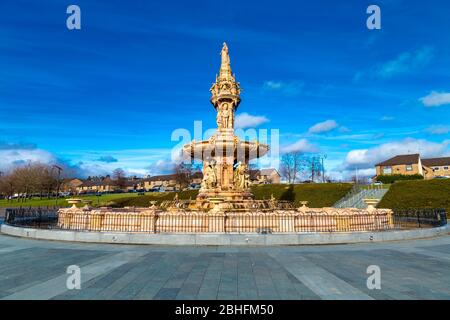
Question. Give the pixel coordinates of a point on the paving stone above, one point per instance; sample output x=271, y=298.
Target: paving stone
x=282, y=272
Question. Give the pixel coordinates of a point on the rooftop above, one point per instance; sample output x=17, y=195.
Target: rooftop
x=401, y=159
x=444, y=161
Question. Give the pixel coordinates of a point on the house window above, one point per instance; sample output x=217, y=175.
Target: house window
x=387, y=170
x=445, y=168
x=436, y=169
x=409, y=167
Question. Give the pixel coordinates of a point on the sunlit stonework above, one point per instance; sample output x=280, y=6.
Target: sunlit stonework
x=225, y=202
x=225, y=157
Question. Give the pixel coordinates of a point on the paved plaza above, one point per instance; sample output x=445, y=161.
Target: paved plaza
x=33, y=269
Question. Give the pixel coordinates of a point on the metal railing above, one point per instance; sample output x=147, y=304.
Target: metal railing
x=355, y=198
x=253, y=222
x=353, y=191
x=40, y=217
x=419, y=218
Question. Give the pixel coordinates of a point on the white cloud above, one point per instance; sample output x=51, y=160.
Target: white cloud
x=387, y=118
x=322, y=127
x=287, y=88
x=344, y=129
x=366, y=158
x=245, y=120
x=133, y=161
x=161, y=166
x=302, y=145
x=438, y=129
x=406, y=62
x=436, y=99
x=273, y=85
x=12, y=157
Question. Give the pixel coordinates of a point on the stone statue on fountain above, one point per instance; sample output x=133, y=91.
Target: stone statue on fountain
x=225, y=117
x=241, y=177
x=209, y=177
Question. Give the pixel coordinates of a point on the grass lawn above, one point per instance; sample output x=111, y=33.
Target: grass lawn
x=318, y=195
x=144, y=201
x=418, y=194
x=96, y=201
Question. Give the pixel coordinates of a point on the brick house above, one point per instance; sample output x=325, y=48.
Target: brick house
x=97, y=185
x=71, y=185
x=411, y=164
x=166, y=181
x=440, y=166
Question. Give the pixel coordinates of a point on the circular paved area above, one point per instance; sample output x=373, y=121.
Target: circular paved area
x=34, y=269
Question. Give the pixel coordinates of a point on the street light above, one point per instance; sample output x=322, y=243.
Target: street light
x=323, y=168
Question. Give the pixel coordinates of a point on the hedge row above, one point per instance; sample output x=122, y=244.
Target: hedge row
x=317, y=195
x=418, y=194
x=398, y=177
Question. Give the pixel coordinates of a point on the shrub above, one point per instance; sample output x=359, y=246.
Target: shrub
x=398, y=177
x=418, y=194
x=317, y=194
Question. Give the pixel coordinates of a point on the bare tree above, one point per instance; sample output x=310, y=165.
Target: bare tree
x=315, y=167
x=183, y=174
x=29, y=180
x=120, y=178
x=291, y=166
x=7, y=185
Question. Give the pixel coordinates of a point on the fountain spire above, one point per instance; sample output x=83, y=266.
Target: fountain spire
x=225, y=67
x=225, y=89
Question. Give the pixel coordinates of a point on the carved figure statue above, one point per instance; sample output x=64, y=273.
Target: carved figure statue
x=219, y=119
x=225, y=56
x=241, y=177
x=225, y=116
x=209, y=177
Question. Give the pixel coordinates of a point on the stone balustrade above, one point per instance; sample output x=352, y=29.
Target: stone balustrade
x=153, y=220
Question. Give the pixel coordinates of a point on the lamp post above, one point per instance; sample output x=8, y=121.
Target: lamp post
x=323, y=168
x=58, y=182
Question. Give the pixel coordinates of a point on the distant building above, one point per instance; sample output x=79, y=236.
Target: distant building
x=71, y=185
x=265, y=176
x=161, y=181
x=168, y=182
x=411, y=164
x=97, y=185
x=440, y=166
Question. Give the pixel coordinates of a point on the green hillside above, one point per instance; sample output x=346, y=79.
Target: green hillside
x=318, y=195
x=418, y=194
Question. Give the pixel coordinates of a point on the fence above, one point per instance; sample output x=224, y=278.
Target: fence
x=199, y=222
x=41, y=217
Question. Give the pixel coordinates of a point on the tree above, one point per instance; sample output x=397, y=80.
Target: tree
x=7, y=185
x=34, y=178
x=314, y=167
x=183, y=174
x=291, y=165
x=120, y=178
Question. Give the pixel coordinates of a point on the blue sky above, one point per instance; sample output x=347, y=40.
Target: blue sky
x=111, y=94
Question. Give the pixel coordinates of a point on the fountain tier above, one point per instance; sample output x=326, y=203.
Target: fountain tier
x=225, y=157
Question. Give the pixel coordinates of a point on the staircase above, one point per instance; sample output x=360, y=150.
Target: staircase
x=355, y=198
